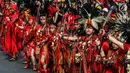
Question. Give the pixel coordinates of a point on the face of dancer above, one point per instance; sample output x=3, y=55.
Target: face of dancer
x=89, y=30
x=77, y=25
x=30, y=21
x=43, y=21
x=114, y=46
x=52, y=29
x=7, y=6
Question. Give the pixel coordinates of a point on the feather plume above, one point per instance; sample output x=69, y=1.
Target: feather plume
x=122, y=25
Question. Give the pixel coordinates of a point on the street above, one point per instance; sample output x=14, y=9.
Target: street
x=7, y=66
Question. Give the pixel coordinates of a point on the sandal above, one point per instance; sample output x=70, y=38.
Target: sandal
x=34, y=68
x=26, y=66
x=12, y=59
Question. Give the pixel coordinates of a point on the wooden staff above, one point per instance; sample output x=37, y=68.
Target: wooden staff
x=38, y=13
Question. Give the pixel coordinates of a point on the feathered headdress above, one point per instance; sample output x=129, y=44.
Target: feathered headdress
x=91, y=16
x=122, y=26
x=94, y=22
x=89, y=8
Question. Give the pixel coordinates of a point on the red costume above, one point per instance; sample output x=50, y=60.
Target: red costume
x=41, y=32
x=118, y=62
x=27, y=42
x=93, y=51
x=116, y=57
x=119, y=1
x=52, y=10
x=57, y=47
x=8, y=37
x=70, y=18
x=19, y=34
x=101, y=1
x=126, y=47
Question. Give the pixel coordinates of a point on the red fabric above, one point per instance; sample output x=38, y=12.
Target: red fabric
x=105, y=46
x=58, y=53
x=6, y=19
x=43, y=53
x=31, y=46
x=58, y=47
x=19, y=34
x=72, y=28
x=52, y=10
x=14, y=47
x=70, y=18
x=7, y=12
x=14, y=7
x=14, y=16
x=55, y=0
x=108, y=71
x=33, y=18
x=119, y=1
x=91, y=56
x=101, y=1
x=122, y=70
x=118, y=62
x=8, y=37
x=44, y=31
x=38, y=27
x=37, y=33
x=13, y=34
x=2, y=5
x=27, y=30
x=18, y=30
x=13, y=39
x=126, y=47
x=29, y=51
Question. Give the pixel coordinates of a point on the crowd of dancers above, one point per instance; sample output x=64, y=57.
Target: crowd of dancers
x=67, y=36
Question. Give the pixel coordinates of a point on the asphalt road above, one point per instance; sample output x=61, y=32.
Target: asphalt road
x=12, y=67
